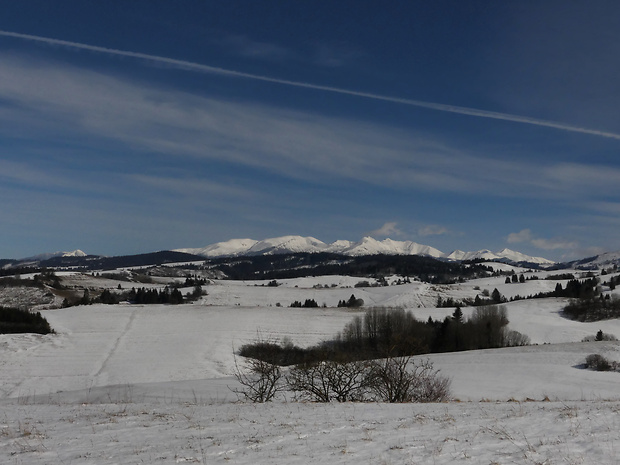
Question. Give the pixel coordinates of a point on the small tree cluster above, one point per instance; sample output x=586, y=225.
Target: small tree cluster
x=575, y=289
x=152, y=296
x=15, y=320
x=593, y=309
x=600, y=336
x=48, y=278
x=308, y=303
x=196, y=294
x=352, y=302
x=483, y=299
x=192, y=281
x=108, y=297
x=515, y=279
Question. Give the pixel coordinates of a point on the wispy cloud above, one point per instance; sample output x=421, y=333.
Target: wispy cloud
x=554, y=244
x=70, y=103
x=388, y=229
x=432, y=230
x=526, y=236
x=191, y=66
x=193, y=187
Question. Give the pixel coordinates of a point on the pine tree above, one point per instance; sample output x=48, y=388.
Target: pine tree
x=496, y=296
x=457, y=316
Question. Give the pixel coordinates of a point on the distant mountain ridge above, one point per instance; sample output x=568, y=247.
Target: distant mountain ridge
x=607, y=259
x=291, y=245
x=367, y=246
x=47, y=256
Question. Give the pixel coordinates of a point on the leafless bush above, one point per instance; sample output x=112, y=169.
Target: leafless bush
x=599, y=363
x=515, y=339
x=401, y=379
x=329, y=380
x=394, y=379
x=260, y=380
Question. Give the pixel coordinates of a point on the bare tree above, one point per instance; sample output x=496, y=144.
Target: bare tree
x=401, y=379
x=393, y=379
x=260, y=380
x=329, y=380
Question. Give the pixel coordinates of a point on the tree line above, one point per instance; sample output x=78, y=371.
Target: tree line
x=15, y=320
x=382, y=332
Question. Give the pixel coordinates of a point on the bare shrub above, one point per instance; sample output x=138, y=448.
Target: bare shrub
x=599, y=363
x=329, y=380
x=515, y=339
x=401, y=379
x=260, y=380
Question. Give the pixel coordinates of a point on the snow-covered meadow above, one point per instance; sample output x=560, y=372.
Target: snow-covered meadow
x=151, y=384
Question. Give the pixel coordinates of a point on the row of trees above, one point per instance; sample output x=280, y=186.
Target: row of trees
x=168, y=295
x=398, y=332
x=515, y=279
x=15, y=320
x=152, y=296
x=384, y=332
x=308, y=303
x=593, y=309
x=483, y=299
x=386, y=380
x=351, y=302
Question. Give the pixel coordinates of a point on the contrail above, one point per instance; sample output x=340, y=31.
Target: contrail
x=188, y=65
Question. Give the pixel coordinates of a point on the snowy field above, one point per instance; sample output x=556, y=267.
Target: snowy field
x=151, y=384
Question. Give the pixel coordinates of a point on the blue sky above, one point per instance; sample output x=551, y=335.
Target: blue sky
x=129, y=127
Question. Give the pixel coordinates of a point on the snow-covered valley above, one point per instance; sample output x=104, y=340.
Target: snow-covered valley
x=151, y=384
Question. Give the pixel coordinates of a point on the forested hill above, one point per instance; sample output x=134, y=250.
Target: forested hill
x=94, y=262
x=318, y=264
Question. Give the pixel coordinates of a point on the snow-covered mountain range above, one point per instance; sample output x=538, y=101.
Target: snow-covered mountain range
x=603, y=260
x=367, y=246
x=47, y=256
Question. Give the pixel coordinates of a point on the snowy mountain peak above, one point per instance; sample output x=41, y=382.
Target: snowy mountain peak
x=288, y=244
x=601, y=261
x=230, y=248
x=366, y=246
x=47, y=256
x=371, y=246
x=75, y=253
x=519, y=257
